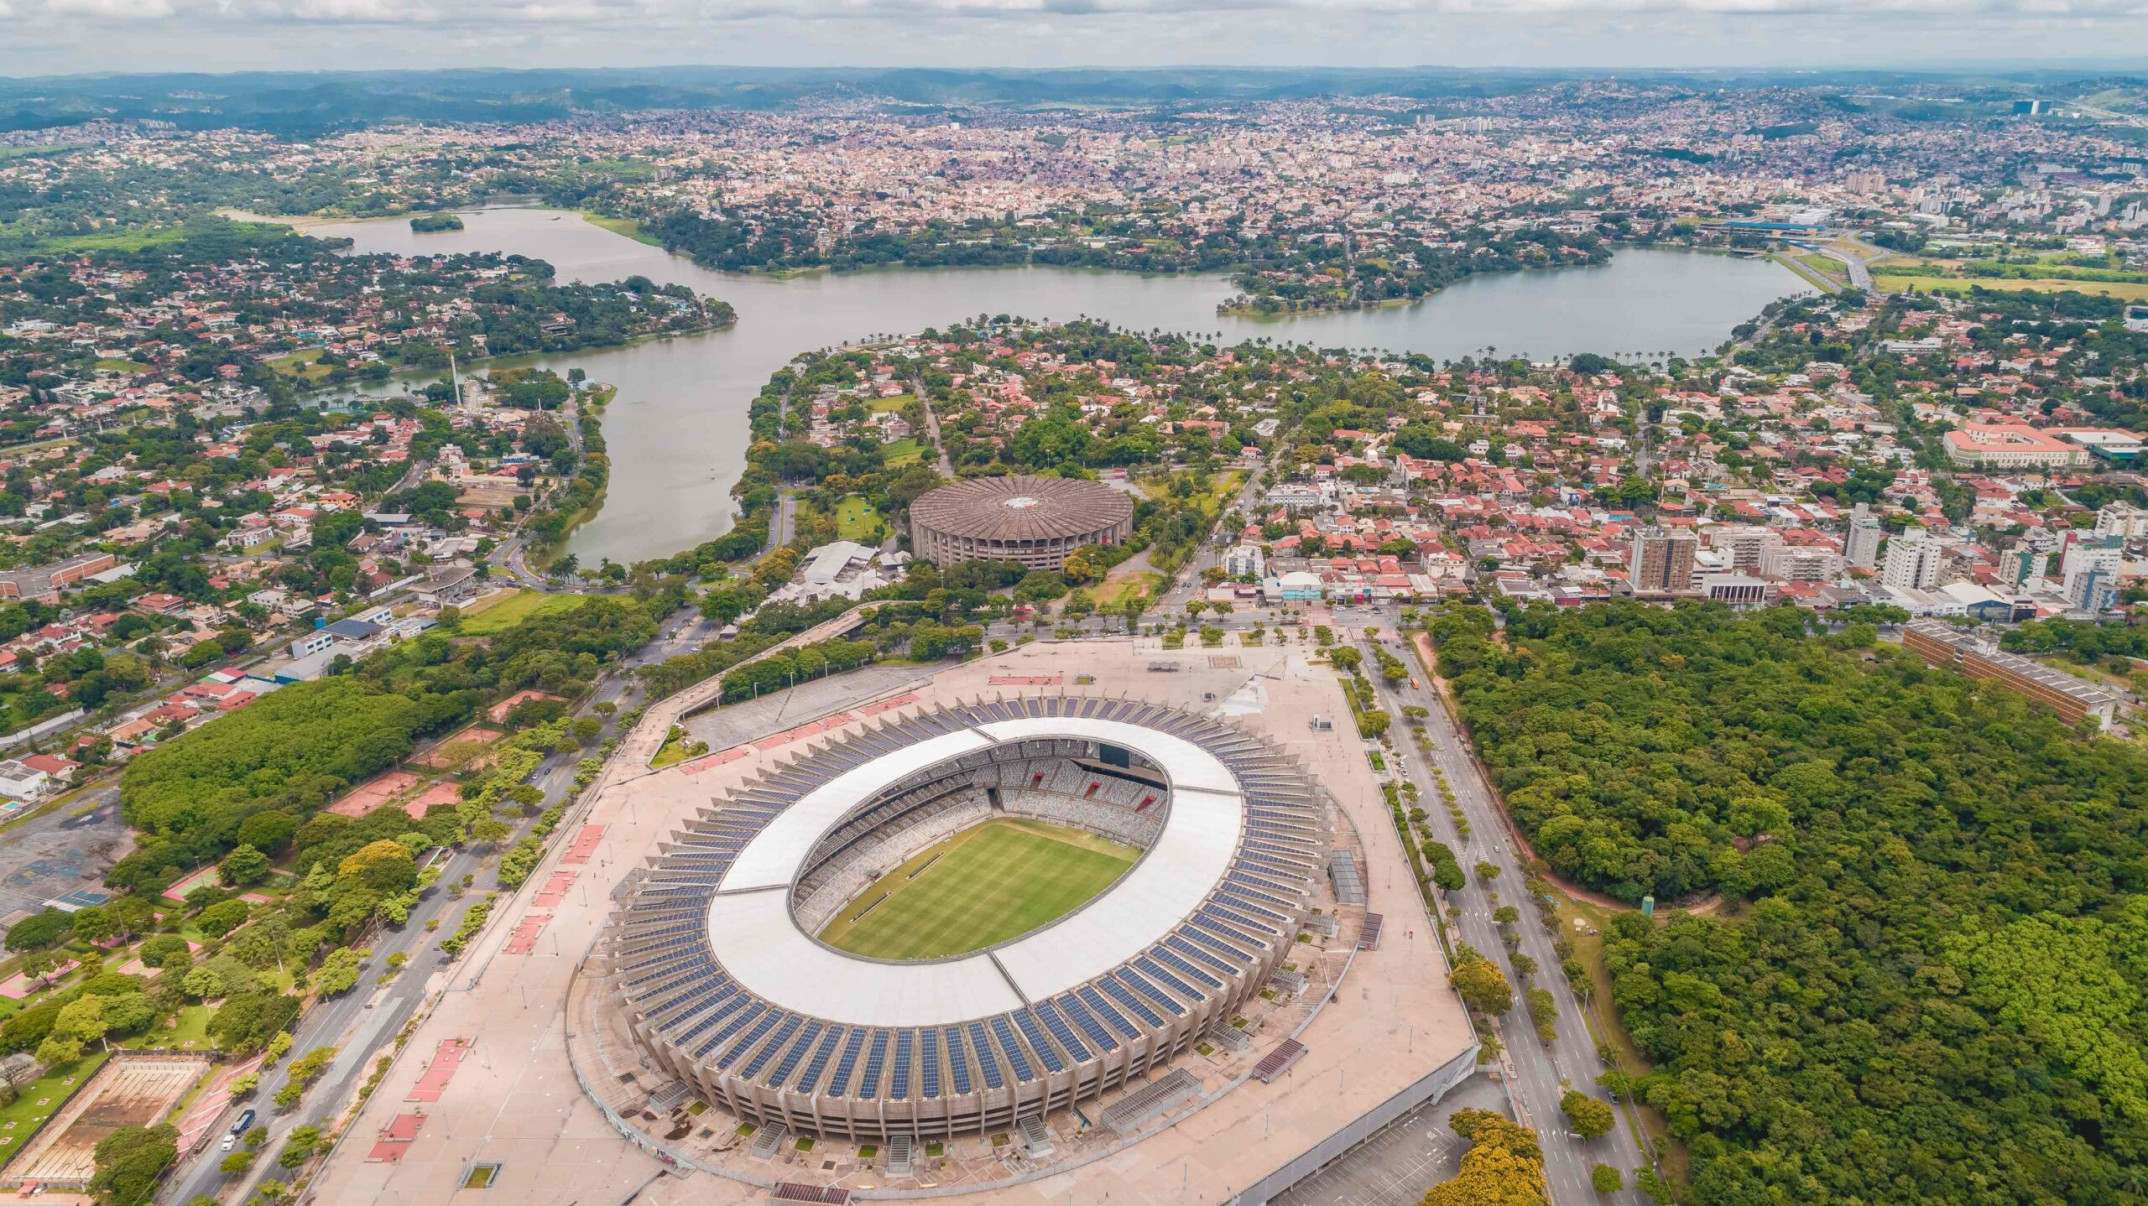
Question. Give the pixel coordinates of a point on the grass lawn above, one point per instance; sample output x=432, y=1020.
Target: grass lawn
x=1832, y=269
x=894, y=403
x=677, y=749
x=503, y=611
x=137, y=238
x=905, y=451
x=191, y=1033
x=2095, y=674
x=855, y=519
x=301, y=364
x=122, y=366
x=630, y=227
x=978, y=888
x=40, y=1100
x=1893, y=283
x=1116, y=589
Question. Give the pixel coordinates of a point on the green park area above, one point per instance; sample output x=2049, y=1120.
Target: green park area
x=1123, y=585
x=1888, y=282
x=2017, y=271
x=500, y=612
x=630, y=227
x=303, y=364
x=856, y=519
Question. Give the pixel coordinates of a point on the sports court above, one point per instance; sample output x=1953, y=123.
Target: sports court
x=127, y=1091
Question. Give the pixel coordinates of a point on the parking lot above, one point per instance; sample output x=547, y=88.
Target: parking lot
x=1409, y=1156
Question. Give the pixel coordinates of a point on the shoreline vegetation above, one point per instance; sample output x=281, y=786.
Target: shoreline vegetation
x=1256, y=307
x=589, y=418
x=1290, y=271
x=517, y=360
x=628, y=227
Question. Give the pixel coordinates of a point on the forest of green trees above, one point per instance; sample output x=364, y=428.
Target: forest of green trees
x=1928, y=980
x=290, y=753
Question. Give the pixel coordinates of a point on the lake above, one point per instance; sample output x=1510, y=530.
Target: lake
x=677, y=431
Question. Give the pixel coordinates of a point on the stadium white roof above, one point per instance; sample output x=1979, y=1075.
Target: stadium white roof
x=754, y=936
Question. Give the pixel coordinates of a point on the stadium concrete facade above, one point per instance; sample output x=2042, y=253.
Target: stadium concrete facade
x=724, y=984
x=1036, y=521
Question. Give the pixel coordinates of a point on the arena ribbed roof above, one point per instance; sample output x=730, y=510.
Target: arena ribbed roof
x=1015, y=509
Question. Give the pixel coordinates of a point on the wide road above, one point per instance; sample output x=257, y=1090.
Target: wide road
x=1187, y=584
x=361, y=1032
x=932, y=430
x=1542, y=1073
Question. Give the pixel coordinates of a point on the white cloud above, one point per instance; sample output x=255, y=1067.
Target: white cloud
x=58, y=36
x=107, y=10
x=479, y=13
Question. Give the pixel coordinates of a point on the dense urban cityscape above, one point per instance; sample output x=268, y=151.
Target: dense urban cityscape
x=1422, y=638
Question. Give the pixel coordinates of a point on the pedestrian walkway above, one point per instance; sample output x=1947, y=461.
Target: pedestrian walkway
x=446, y=1058
x=524, y=939
x=396, y=1138
x=555, y=889
x=584, y=844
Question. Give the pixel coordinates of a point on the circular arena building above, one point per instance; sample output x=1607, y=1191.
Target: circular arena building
x=1036, y=521
x=827, y=949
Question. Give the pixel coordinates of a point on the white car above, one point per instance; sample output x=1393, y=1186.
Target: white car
x=230, y=1141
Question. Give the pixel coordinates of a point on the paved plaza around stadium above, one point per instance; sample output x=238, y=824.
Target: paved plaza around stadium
x=514, y=1098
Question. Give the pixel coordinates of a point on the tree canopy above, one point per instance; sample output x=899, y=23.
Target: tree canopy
x=1930, y=977
x=1504, y=1165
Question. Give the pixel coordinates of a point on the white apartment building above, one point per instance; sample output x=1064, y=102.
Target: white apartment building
x=1747, y=546
x=1861, y=549
x=2123, y=520
x=1785, y=563
x=2089, y=571
x=1913, y=561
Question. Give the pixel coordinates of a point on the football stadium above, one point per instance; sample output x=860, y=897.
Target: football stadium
x=1089, y=921
x=968, y=916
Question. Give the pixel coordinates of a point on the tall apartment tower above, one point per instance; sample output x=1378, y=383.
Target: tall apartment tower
x=1661, y=562
x=2123, y=520
x=2021, y=564
x=2089, y=571
x=1862, y=547
x=1748, y=546
x=1913, y=561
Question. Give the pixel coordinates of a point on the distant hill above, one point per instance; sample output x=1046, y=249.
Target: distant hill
x=309, y=103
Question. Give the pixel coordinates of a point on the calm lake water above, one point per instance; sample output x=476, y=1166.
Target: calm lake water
x=677, y=432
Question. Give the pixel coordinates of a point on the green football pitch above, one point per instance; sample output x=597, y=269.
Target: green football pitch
x=977, y=889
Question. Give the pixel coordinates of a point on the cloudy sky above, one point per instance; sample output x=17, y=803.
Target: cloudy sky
x=43, y=37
